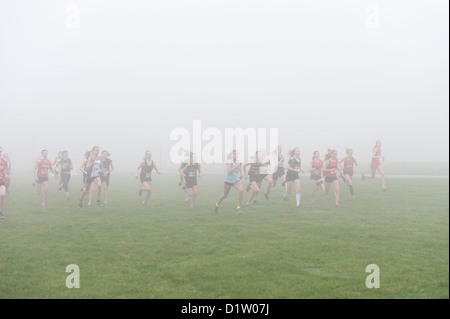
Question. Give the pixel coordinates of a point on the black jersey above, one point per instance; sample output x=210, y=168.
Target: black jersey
x=65, y=165
x=254, y=168
x=191, y=170
x=106, y=165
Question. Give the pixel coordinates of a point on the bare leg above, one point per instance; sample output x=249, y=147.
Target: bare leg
x=105, y=192
x=2, y=197
x=336, y=191
x=226, y=191
x=297, y=191
x=313, y=191
x=194, y=195
x=147, y=187
x=238, y=187
x=381, y=171
x=255, y=190
x=44, y=199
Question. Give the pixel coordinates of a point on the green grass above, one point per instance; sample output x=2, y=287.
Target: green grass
x=273, y=250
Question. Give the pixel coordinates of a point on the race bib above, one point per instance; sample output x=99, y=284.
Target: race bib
x=44, y=170
x=317, y=171
x=96, y=169
x=191, y=174
x=148, y=175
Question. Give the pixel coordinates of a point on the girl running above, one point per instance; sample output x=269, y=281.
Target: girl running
x=8, y=171
x=233, y=179
x=83, y=169
x=376, y=164
x=253, y=178
x=189, y=174
x=57, y=165
x=349, y=161
x=107, y=168
x=93, y=169
x=331, y=167
x=66, y=168
x=292, y=177
x=41, y=175
x=280, y=173
x=146, y=166
x=3, y=178
x=315, y=169
x=182, y=183
x=264, y=172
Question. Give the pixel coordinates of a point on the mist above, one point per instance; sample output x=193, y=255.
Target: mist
x=123, y=74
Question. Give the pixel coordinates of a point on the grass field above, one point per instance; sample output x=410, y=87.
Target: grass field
x=273, y=250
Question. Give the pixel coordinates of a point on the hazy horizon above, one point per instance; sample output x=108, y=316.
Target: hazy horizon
x=135, y=70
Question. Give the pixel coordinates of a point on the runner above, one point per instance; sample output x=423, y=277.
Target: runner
x=146, y=166
x=41, y=175
x=93, y=169
x=233, y=179
x=66, y=168
x=8, y=171
x=3, y=178
x=349, y=161
x=280, y=173
x=107, y=168
x=253, y=178
x=292, y=177
x=331, y=169
x=57, y=165
x=315, y=168
x=189, y=174
x=376, y=164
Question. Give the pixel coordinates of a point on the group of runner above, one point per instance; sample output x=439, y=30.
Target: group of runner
x=97, y=168
x=323, y=173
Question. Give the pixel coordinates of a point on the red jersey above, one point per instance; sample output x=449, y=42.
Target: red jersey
x=348, y=164
x=332, y=164
x=376, y=161
x=317, y=168
x=2, y=171
x=43, y=168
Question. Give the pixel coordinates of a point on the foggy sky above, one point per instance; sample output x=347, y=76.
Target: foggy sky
x=135, y=70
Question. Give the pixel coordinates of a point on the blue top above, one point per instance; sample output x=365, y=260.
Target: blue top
x=233, y=177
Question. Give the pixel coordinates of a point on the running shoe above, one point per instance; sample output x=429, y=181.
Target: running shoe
x=1, y=216
x=267, y=196
x=99, y=203
x=238, y=211
x=80, y=203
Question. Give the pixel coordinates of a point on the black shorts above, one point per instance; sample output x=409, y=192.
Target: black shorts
x=315, y=178
x=280, y=172
x=191, y=182
x=329, y=179
x=41, y=180
x=3, y=184
x=261, y=177
x=253, y=177
x=89, y=180
x=348, y=173
x=105, y=179
x=291, y=176
x=144, y=178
